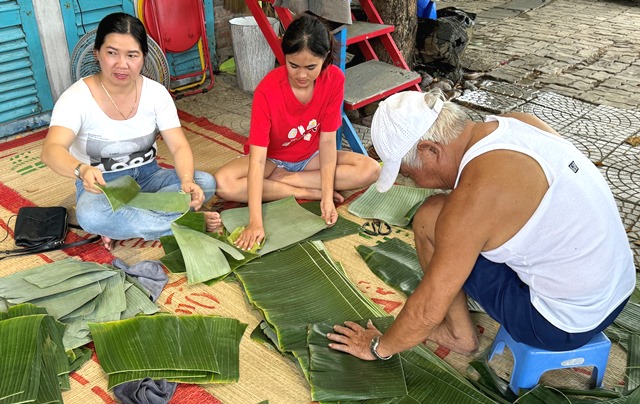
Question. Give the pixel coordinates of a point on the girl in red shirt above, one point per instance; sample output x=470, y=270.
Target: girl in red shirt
x=291, y=149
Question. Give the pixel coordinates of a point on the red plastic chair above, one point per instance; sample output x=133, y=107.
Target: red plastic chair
x=178, y=26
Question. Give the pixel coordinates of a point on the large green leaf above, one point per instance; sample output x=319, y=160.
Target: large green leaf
x=202, y=255
x=632, y=374
x=125, y=191
x=192, y=349
x=338, y=376
x=15, y=289
x=395, y=262
x=285, y=223
x=302, y=284
x=396, y=206
x=34, y=366
x=343, y=227
x=291, y=311
x=120, y=191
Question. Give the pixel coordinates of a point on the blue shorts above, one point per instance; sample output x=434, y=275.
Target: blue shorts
x=294, y=167
x=506, y=299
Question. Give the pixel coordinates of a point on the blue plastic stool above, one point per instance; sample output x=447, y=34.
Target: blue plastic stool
x=530, y=363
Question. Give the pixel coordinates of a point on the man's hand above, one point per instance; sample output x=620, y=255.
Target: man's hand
x=353, y=339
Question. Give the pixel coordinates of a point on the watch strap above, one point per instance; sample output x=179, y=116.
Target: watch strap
x=76, y=171
x=374, y=349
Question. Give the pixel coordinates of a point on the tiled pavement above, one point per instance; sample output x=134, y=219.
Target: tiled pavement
x=573, y=63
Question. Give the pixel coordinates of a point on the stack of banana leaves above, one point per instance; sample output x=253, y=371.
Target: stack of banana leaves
x=190, y=349
x=75, y=293
x=302, y=292
x=34, y=366
x=210, y=257
x=396, y=206
x=396, y=263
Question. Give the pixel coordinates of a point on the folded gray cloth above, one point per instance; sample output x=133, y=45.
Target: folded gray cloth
x=145, y=391
x=148, y=273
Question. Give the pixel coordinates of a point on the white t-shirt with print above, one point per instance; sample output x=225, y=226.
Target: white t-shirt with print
x=109, y=144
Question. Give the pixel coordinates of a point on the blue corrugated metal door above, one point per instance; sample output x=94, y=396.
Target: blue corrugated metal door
x=81, y=16
x=25, y=94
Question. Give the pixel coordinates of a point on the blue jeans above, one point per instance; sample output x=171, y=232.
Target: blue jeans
x=294, y=166
x=95, y=215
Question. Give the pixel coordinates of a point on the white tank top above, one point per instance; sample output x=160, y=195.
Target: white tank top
x=573, y=252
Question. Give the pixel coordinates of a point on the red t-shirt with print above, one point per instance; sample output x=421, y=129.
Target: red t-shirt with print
x=289, y=129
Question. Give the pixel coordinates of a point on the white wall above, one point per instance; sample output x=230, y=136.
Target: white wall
x=54, y=45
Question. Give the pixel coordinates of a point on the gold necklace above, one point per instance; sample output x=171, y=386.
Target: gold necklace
x=114, y=103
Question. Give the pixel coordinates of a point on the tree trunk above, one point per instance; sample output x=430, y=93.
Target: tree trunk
x=403, y=15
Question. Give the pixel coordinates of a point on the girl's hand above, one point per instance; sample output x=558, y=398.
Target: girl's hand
x=252, y=234
x=90, y=176
x=197, y=195
x=329, y=213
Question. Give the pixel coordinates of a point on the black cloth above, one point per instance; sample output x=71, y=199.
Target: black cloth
x=145, y=391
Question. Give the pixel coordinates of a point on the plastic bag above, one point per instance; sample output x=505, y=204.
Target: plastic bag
x=442, y=42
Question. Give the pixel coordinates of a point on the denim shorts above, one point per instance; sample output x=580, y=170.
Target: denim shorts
x=506, y=299
x=294, y=167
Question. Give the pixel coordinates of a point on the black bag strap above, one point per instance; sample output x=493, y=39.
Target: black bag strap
x=46, y=247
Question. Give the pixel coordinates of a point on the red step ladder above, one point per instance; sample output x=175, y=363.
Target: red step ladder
x=366, y=82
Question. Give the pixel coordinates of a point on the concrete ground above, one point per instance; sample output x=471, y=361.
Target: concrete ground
x=573, y=63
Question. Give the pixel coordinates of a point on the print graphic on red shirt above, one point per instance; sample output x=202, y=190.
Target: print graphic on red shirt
x=300, y=132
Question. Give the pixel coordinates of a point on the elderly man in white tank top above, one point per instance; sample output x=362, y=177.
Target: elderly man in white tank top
x=530, y=230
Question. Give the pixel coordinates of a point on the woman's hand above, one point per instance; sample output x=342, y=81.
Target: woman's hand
x=91, y=176
x=353, y=339
x=252, y=234
x=329, y=213
x=197, y=194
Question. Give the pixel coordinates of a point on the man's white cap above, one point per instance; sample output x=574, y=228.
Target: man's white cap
x=398, y=124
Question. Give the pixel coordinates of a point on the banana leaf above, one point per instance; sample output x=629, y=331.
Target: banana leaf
x=15, y=289
x=34, y=366
x=120, y=191
x=191, y=349
x=396, y=206
x=78, y=357
x=323, y=291
x=125, y=191
x=285, y=223
x=192, y=220
x=174, y=262
x=343, y=227
x=395, y=262
x=632, y=374
x=203, y=257
x=289, y=313
x=337, y=376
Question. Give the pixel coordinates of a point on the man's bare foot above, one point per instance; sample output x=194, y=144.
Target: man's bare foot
x=107, y=243
x=465, y=345
x=337, y=197
x=213, y=221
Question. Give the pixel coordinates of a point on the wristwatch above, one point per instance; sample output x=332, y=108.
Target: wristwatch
x=374, y=349
x=76, y=171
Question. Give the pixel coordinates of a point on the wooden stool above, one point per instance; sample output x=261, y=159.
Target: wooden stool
x=530, y=363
